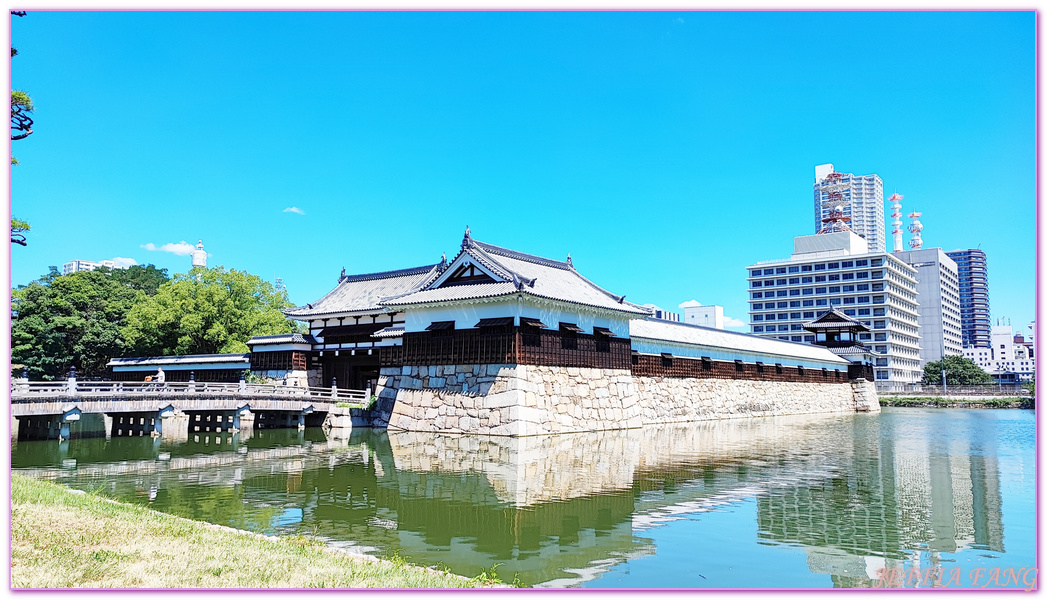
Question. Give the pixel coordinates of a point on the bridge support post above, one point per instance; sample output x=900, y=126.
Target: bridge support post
x=138, y=424
x=71, y=385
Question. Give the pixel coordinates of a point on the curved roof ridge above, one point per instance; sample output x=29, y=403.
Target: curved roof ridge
x=532, y=258
x=386, y=274
x=619, y=299
x=365, y=277
x=492, y=263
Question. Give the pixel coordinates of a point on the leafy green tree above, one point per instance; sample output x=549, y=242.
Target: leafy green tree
x=146, y=278
x=207, y=311
x=18, y=229
x=21, y=127
x=70, y=320
x=958, y=371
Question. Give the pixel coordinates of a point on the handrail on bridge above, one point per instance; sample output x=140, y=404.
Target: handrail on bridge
x=30, y=390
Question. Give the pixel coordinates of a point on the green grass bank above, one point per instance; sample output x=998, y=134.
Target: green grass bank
x=66, y=539
x=958, y=402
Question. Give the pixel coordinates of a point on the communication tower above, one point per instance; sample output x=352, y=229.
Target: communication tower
x=896, y=214
x=915, y=228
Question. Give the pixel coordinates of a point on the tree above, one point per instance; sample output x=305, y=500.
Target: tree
x=207, y=311
x=18, y=226
x=21, y=128
x=61, y=321
x=145, y=278
x=958, y=371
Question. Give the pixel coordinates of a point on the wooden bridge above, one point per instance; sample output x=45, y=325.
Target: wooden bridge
x=45, y=409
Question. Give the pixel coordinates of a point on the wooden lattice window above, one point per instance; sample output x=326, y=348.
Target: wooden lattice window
x=569, y=336
x=602, y=339
x=441, y=328
x=531, y=332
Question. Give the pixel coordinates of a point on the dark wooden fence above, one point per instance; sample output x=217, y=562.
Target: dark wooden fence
x=510, y=345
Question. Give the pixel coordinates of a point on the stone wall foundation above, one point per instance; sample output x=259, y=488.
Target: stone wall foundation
x=525, y=400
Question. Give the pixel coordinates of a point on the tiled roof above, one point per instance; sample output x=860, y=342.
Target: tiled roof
x=718, y=338
x=282, y=338
x=179, y=360
x=857, y=349
x=522, y=273
x=389, y=332
x=363, y=292
x=835, y=319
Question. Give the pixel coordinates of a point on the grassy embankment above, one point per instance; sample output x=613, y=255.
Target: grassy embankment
x=957, y=402
x=62, y=539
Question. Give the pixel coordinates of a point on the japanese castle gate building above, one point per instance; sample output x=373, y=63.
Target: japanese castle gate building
x=505, y=343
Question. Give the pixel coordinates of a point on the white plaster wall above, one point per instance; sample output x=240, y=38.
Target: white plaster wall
x=466, y=316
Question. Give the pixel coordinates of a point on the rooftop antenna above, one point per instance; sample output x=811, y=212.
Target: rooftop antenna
x=896, y=206
x=836, y=203
x=915, y=242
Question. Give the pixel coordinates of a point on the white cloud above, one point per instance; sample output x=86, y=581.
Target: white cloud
x=690, y=304
x=182, y=248
x=123, y=263
x=732, y=322
x=295, y=210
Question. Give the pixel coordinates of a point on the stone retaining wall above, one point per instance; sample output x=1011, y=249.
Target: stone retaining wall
x=521, y=400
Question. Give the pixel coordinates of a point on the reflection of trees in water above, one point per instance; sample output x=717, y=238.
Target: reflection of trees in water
x=566, y=507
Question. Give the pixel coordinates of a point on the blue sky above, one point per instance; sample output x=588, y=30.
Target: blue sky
x=665, y=151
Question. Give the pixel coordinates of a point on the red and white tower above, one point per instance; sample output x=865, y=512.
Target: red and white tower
x=915, y=242
x=896, y=214
x=836, y=203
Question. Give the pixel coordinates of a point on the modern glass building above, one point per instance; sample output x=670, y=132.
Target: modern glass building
x=975, y=326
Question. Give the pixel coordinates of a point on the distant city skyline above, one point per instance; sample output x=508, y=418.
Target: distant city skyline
x=645, y=144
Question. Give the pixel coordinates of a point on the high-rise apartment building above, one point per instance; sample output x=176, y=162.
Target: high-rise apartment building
x=939, y=291
x=838, y=270
x=975, y=326
x=862, y=202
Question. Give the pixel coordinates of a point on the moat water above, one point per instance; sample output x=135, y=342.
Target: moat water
x=905, y=498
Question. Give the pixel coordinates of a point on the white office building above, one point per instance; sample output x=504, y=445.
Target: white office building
x=696, y=313
x=938, y=287
x=1009, y=358
x=863, y=203
x=838, y=270
x=657, y=312
x=75, y=266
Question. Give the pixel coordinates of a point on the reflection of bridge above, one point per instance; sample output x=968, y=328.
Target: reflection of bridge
x=45, y=410
x=562, y=510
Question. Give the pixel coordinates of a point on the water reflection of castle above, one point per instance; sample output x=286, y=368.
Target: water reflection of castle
x=858, y=492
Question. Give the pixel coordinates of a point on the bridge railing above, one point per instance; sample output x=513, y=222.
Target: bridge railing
x=23, y=391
